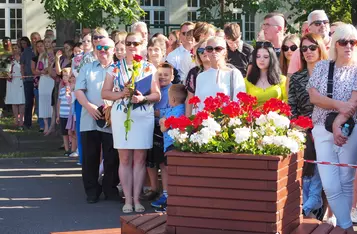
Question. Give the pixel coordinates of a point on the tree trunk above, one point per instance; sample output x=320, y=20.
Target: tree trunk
x=354, y=12
x=65, y=30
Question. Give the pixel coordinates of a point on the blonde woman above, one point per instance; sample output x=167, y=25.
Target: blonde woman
x=290, y=44
x=46, y=84
x=219, y=78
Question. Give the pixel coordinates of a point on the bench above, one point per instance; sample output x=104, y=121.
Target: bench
x=101, y=231
x=156, y=224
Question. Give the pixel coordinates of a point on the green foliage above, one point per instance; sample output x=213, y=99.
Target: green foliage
x=93, y=13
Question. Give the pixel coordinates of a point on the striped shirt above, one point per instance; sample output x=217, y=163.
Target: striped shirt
x=65, y=103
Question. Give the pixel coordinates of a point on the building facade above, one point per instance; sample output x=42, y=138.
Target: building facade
x=22, y=17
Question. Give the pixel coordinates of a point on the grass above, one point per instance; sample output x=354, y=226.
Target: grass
x=8, y=126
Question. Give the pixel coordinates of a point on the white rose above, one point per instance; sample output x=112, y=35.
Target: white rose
x=242, y=134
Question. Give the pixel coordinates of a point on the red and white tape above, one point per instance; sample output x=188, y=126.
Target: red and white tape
x=331, y=163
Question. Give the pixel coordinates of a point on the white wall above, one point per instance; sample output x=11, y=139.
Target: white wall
x=35, y=18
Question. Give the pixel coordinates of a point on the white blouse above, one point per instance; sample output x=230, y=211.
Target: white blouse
x=214, y=81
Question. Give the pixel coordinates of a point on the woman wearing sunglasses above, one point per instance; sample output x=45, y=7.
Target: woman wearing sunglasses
x=290, y=44
x=203, y=64
x=219, y=78
x=312, y=50
x=265, y=80
x=331, y=145
x=132, y=144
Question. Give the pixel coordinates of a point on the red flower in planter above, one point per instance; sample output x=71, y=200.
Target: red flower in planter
x=277, y=105
x=137, y=58
x=199, y=117
x=246, y=99
x=224, y=99
x=302, y=122
x=194, y=101
x=181, y=122
x=212, y=104
x=233, y=110
x=256, y=114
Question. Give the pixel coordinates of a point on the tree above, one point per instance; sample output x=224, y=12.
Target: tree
x=91, y=13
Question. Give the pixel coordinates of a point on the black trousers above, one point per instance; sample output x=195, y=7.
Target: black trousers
x=92, y=142
x=29, y=96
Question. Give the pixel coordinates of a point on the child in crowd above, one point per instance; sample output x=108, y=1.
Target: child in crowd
x=78, y=55
x=156, y=156
x=177, y=97
x=64, y=111
x=71, y=123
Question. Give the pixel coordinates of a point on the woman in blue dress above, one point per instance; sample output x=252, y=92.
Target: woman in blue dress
x=132, y=85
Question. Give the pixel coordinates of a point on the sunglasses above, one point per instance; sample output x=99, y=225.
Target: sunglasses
x=344, y=42
x=285, y=48
x=210, y=49
x=318, y=23
x=98, y=37
x=134, y=43
x=263, y=44
x=200, y=50
x=106, y=48
x=310, y=47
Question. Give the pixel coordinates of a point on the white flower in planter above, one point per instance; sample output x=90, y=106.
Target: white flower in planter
x=177, y=135
x=279, y=121
x=295, y=134
x=242, y=134
x=234, y=122
x=283, y=141
x=211, y=124
x=262, y=120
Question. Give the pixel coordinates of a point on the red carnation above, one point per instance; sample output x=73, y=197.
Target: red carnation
x=232, y=110
x=199, y=117
x=302, y=122
x=194, y=101
x=137, y=58
x=212, y=104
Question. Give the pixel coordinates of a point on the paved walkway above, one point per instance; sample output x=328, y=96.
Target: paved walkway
x=39, y=196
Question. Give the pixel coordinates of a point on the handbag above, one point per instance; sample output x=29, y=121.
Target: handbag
x=332, y=115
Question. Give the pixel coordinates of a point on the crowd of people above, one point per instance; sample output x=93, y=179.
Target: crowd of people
x=112, y=93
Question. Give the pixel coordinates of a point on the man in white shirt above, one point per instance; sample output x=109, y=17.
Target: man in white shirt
x=274, y=27
x=181, y=58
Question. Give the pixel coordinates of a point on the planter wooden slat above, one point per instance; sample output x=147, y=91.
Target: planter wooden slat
x=222, y=214
x=253, y=195
x=158, y=230
x=143, y=219
x=186, y=230
x=338, y=230
x=158, y=221
x=323, y=229
x=128, y=218
x=285, y=162
x=289, y=228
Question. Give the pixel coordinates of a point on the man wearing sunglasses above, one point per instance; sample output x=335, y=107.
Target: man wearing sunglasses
x=318, y=23
x=94, y=138
x=181, y=58
x=239, y=52
x=274, y=27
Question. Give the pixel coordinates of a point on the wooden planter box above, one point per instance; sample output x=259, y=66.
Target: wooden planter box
x=229, y=193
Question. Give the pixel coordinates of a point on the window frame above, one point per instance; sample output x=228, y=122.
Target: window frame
x=191, y=9
x=152, y=9
x=8, y=6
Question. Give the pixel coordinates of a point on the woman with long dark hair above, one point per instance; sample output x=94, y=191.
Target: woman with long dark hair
x=265, y=80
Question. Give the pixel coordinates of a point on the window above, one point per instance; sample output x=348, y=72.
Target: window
x=248, y=27
x=193, y=6
x=155, y=12
x=11, y=19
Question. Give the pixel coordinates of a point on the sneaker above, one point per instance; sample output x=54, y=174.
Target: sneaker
x=67, y=153
x=161, y=210
x=354, y=215
x=161, y=202
x=74, y=154
x=331, y=220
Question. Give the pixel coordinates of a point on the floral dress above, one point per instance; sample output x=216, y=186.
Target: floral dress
x=140, y=136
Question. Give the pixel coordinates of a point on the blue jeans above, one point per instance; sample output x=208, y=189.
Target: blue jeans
x=78, y=111
x=39, y=120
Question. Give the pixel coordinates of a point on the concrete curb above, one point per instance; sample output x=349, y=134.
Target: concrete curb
x=11, y=140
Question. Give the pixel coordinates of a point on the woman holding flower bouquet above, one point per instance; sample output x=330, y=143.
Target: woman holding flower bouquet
x=265, y=80
x=332, y=88
x=219, y=78
x=132, y=116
